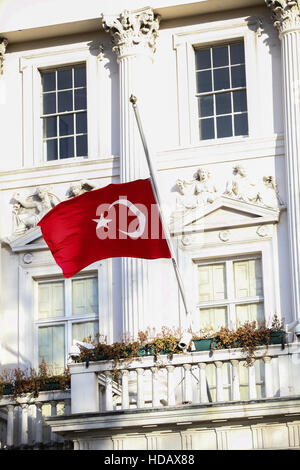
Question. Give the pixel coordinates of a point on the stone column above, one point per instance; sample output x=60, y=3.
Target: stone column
x=286, y=19
x=134, y=36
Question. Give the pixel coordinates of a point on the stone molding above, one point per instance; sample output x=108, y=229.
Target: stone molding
x=133, y=31
x=285, y=15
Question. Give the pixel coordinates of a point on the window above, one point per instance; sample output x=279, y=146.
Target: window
x=66, y=310
x=64, y=112
x=230, y=292
x=221, y=91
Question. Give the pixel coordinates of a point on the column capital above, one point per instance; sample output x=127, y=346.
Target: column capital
x=285, y=15
x=133, y=32
x=3, y=44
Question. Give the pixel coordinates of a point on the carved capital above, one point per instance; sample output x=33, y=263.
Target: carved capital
x=285, y=14
x=133, y=31
x=3, y=44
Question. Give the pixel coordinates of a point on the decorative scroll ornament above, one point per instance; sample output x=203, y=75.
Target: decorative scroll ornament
x=80, y=187
x=285, y=14
x=3, y=44
x=28, y=211
x=131, y=29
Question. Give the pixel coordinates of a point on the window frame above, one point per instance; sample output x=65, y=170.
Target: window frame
x=68, y=319
x=231, y=301
x=207, y=35
x=30, y=67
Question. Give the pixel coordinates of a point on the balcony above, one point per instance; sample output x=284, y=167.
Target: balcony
x=197, y=400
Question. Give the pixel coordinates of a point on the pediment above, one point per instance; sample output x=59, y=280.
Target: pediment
x=223, y=213
x=31, y=240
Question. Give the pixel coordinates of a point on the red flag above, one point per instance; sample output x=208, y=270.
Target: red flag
x=117, y=220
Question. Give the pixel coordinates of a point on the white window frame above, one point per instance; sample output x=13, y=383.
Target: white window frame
x=68, y=319
x=230, y=301
x=28, y=277
x=213, y=34
x=30, y=67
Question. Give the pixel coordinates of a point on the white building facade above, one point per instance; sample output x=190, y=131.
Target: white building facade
x=218, y=93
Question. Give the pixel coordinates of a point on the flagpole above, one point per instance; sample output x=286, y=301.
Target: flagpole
x=133, y=101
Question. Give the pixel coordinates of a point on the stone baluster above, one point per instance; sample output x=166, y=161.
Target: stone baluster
x=108, y=391
x=219, y=381
x=268, y=377
x=171, y=387
x=10, y=425
x=140, y=388
x=24, y=424
x=252, y=382
x=53, y=404
x=125, y=390
x=155, y=387
x=203, y=398
x=187, y=388
x=67, y=406
x=38, y=423
x=235, y=393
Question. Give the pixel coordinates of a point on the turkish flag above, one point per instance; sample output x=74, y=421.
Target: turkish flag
x=117, y=220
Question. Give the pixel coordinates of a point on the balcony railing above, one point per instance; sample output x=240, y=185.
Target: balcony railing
x=190, y=378
x=23, y=419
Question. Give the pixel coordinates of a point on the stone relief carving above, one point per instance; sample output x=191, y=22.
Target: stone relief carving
x=28, y=211
x=132, y=28
x=3, y=44
x=285, y=14
x=202, y=190
x=80, y=187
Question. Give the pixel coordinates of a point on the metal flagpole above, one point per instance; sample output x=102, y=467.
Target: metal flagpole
x=133, y=101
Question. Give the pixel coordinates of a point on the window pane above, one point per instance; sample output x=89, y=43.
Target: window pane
x=221, y=79
x=206, y=128
x=51, y=344
x=80, y=98
x=65, y=101
x=239, y=101
x=211, y=281
x=238, y=76
x=50, y=127
x=79, y=76
x=64, y=79
x=237, y=55
x=85, y=296
x=81, y=146
x=48, y=81
x=51, y=146
x=213, y=317
x=49, y=103
x=224, y=126
x=81, y=331
x=66, y=124
x=203, y=59
x=223, y=103
x=204, y=82
x=51, y=299
x=66, y=147
x=249, y=312
x=220, y=56
x=81, y=123
x=248, y=278
x=241, y=124
x=206, y=106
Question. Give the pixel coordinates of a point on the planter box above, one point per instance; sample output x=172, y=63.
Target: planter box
x=8, y=389
x=203, y=344
x=278, y=337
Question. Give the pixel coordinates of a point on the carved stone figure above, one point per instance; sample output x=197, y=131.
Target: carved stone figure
x=205, y=190
x=188, y=198
x=28, y=211
x=269, y=192
x=3, y=44
x=76, y=189
x=240, y=187
x=132, y=28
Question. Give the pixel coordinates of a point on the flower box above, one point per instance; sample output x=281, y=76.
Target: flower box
x=8, y=389
x=277, y=337
x=203, y=344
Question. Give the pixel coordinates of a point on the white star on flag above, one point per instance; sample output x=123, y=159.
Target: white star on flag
x=102, y=222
